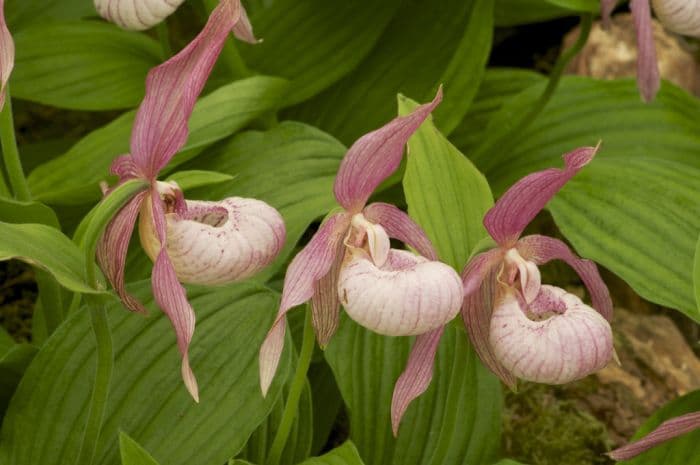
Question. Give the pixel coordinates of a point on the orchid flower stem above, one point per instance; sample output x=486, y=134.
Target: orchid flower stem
x=10, y=154
x=298, y=382
x=103, y=375
x=164, y=39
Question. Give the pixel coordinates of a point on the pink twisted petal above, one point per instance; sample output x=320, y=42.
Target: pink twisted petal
x=507, y=219
x=172, y=88
x=542, y=249
x=218, y=242
x=554, y=340
x=171, y=296
x=666, y=431
x=308, y=267
x=243, y=29
x=416, y=377
x=648, y=77
x=7, y=54
x=113, y=246
x=325, y=304
x=408, y=295
x=399, y=225
x=375, y=156
x=480, y=285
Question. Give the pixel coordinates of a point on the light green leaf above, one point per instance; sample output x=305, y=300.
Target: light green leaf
x=82, y=65
x=17, y=211
x=148, y=400
x=696, y=274
x=191, y=179
x=72, y=178
x=344, y=455
x=315, y=42
x=445, y=193
x=456, y=421
x=21, y=13
x=448, y=45
x=683, y=450
x=47, y=248
x=132, y=453
x=497, y=87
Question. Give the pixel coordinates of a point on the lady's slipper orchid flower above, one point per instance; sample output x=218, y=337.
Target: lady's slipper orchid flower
x=664, y=432
x=519, y=327
x=205, y=242
x=349, y=259
x=7, y=54
x=680, y=16
x=139, y=15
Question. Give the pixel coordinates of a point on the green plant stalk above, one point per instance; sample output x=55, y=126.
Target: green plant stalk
x=291, y=408
x=10, y=154
x=164, y=39
x=4, y=190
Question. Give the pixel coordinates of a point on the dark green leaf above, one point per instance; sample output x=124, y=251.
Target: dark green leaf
x=456, y=421
x=683, y=450
x=315, y=42
x=327, y=402
x=17, y=211
x=344, y=455
x=72, y=178
x=21, y=13
x=192, y=179
x=82, y=65
x=46, y=248
x=13, y=362
x=422, y=47
x=514, y=12
x=696, y=274
x=132, y=453
x=147, y=399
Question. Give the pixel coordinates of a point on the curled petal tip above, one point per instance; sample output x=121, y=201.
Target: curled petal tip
x=408, y=295
x=270, y=353
x=555, y=340
x=648, y=76
x=189, y=379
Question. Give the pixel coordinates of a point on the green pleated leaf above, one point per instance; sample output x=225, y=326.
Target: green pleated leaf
x=497, y=87
x=132, y=453
x=191, y=179
x=17, y=211
x=640, y=218
x=683, y=450
x=344, y=455
x=21, y=13
x=421, y=48
x=327, y=402
x=14, y=359
x=47, y=248
x=445, y=193
x=72, y=178
x=315, y=42
x=696, y=274
x=82, y=65
x=456, y=421
x=148, y=400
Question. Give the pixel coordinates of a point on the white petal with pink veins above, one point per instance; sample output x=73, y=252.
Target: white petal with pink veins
x=559, y=340
x=136, y=15
x=218, y=242
x=407, y=295
x=681, y=16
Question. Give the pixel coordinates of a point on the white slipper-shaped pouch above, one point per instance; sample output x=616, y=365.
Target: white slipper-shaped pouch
x=217, y=242
x=136, y=15
x=407, y=295
x=554, y=340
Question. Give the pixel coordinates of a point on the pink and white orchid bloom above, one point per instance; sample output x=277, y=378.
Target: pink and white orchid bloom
x=349, y=259
x=666, y=431
x=139, y=15
x=519, y=327
x=205, y=242
x=680, y=16
x=7, y=54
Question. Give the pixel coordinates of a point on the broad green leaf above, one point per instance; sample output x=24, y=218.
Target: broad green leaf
x=132, y=453
x=640, y=218
x=683, y=450
x=421, y=48
x=456, y=421
x=327, y=402
x=497, y=87
x=47, y=248
x=21, y=13
x=17, y=211
x=696, y=274
x=82, y=65
x=13, y=362
x=315, y=42
x=148, y=400
x=514, y=12
x=300, y=437
x=344, y=455
x=72, y=178
x=192, y=179
x=445, y=193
